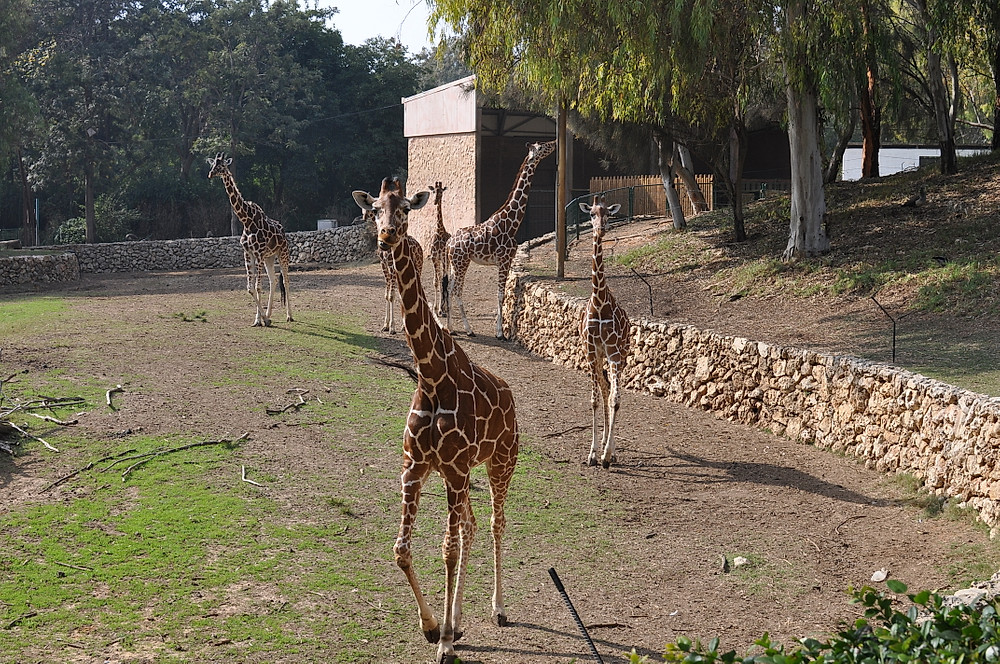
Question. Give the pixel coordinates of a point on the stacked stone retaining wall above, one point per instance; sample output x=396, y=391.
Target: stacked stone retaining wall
x=337, y=245
x=895, y=420
x=25, y=270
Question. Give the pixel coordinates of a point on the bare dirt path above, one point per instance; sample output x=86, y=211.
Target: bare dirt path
x=688, y=488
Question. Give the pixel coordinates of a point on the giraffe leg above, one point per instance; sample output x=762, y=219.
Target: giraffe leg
x=500, y=470
x=253, y=285
x=502, y=273
x=451, y=551
x=411, y=479
x=610, y=411
x=455, y=296
x=597, y=389
x=272, y=280
x=467, y=534
x=283, y=283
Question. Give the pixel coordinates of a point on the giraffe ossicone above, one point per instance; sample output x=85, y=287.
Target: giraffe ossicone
x=461, y=416
x=494, y=242
x=263, y=240
x=605, y=330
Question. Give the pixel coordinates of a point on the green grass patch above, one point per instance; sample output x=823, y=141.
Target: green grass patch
x=22, y=315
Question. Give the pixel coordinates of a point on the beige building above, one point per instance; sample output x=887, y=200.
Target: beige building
x=475, y=150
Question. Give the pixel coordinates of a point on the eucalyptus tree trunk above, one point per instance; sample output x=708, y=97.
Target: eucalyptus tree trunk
x=665, y=160
x=837, y=158
x=685, y=170
x=868, y=102
x=807, y=235
x=945, y=105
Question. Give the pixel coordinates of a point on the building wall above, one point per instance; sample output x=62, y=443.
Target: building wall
x=450, y=159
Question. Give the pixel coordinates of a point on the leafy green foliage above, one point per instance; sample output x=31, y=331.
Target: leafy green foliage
x=929, y=632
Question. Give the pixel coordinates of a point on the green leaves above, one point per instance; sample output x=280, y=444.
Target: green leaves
x=931, y=634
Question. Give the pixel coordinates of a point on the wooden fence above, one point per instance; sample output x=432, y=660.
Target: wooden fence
x=648, y=197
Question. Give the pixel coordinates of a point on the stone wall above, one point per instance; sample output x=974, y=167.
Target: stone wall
x=895, y=420
x=452, y=161
x=23, y=270
x=337, y=245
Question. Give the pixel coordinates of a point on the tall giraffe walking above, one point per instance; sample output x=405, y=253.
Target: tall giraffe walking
x=461, y=416
x=263, y=240
x=439, y=249
x=494, y=242
x=605, y=330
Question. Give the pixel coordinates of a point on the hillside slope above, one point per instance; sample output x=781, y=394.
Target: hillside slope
x=934, y=268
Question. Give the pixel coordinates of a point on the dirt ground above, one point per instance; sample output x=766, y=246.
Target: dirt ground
x=690, y=488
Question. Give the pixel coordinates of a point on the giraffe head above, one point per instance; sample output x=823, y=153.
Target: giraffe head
x=220, y=165
x=437, y=189
x=539, y=151
x=600, y=213
x=391, y=209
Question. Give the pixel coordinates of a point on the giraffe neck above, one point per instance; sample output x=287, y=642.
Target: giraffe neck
x=441, y=230
x=236, y=199
x=597, y=271
x=423, y=334
x=512, y=212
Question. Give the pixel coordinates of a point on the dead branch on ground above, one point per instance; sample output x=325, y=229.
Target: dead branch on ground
x=299, y=392
x=114, y=390
x=149, y=456
x=76, y=472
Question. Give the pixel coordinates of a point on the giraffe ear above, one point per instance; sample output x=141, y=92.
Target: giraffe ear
x=586, y=208
x=229, y=161
x=614, y=208
x=419, y=199
x=363, y=199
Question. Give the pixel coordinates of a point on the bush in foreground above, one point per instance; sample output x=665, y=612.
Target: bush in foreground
x=929, y=632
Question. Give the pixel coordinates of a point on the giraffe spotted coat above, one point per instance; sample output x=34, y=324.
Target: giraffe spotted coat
x=263, y=240
x=461, y=416
x=494, y=242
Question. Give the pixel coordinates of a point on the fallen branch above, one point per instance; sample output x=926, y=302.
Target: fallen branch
x=79, y=567
x=28, y=435
x=579, y=427
x=76, y=472
x=158, y=453
x=296, y=405
x=244, y=478
x=393, y=363
x=48, y=418
x=114, y=390
x=13, y=623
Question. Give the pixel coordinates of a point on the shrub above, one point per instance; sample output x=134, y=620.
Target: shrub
x=929, y=632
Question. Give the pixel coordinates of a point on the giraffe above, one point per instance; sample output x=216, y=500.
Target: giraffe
x=389, y=273
x=439, y=249
x=605, y=329
x=263, y=240
x=461, y=416
x=494, y=242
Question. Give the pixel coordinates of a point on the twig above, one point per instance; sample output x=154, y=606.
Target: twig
x=279, y=411
x=79, y=567
x=850, y=518
x=609, y=625
x=113, y=390
x=244, y=478
x=392, y=363
x=153, y=455
x=579, y=427
x=25, y=433
x=13, y=623
x=80, y=470
x=48, y=418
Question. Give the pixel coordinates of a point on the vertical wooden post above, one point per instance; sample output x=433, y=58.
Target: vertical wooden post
x=561, y=198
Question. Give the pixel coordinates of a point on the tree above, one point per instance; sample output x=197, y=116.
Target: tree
x=807, y=232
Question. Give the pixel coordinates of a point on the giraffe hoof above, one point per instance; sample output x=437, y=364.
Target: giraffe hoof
x=605, y=464
x=501, y=620
x=472, y=334
x=433, y=635
x=592, y=462
x=458, y=635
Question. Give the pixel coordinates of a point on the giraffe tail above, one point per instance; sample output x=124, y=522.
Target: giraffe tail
x=281, y=285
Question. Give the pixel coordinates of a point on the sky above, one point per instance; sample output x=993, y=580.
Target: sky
x=359, y=20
